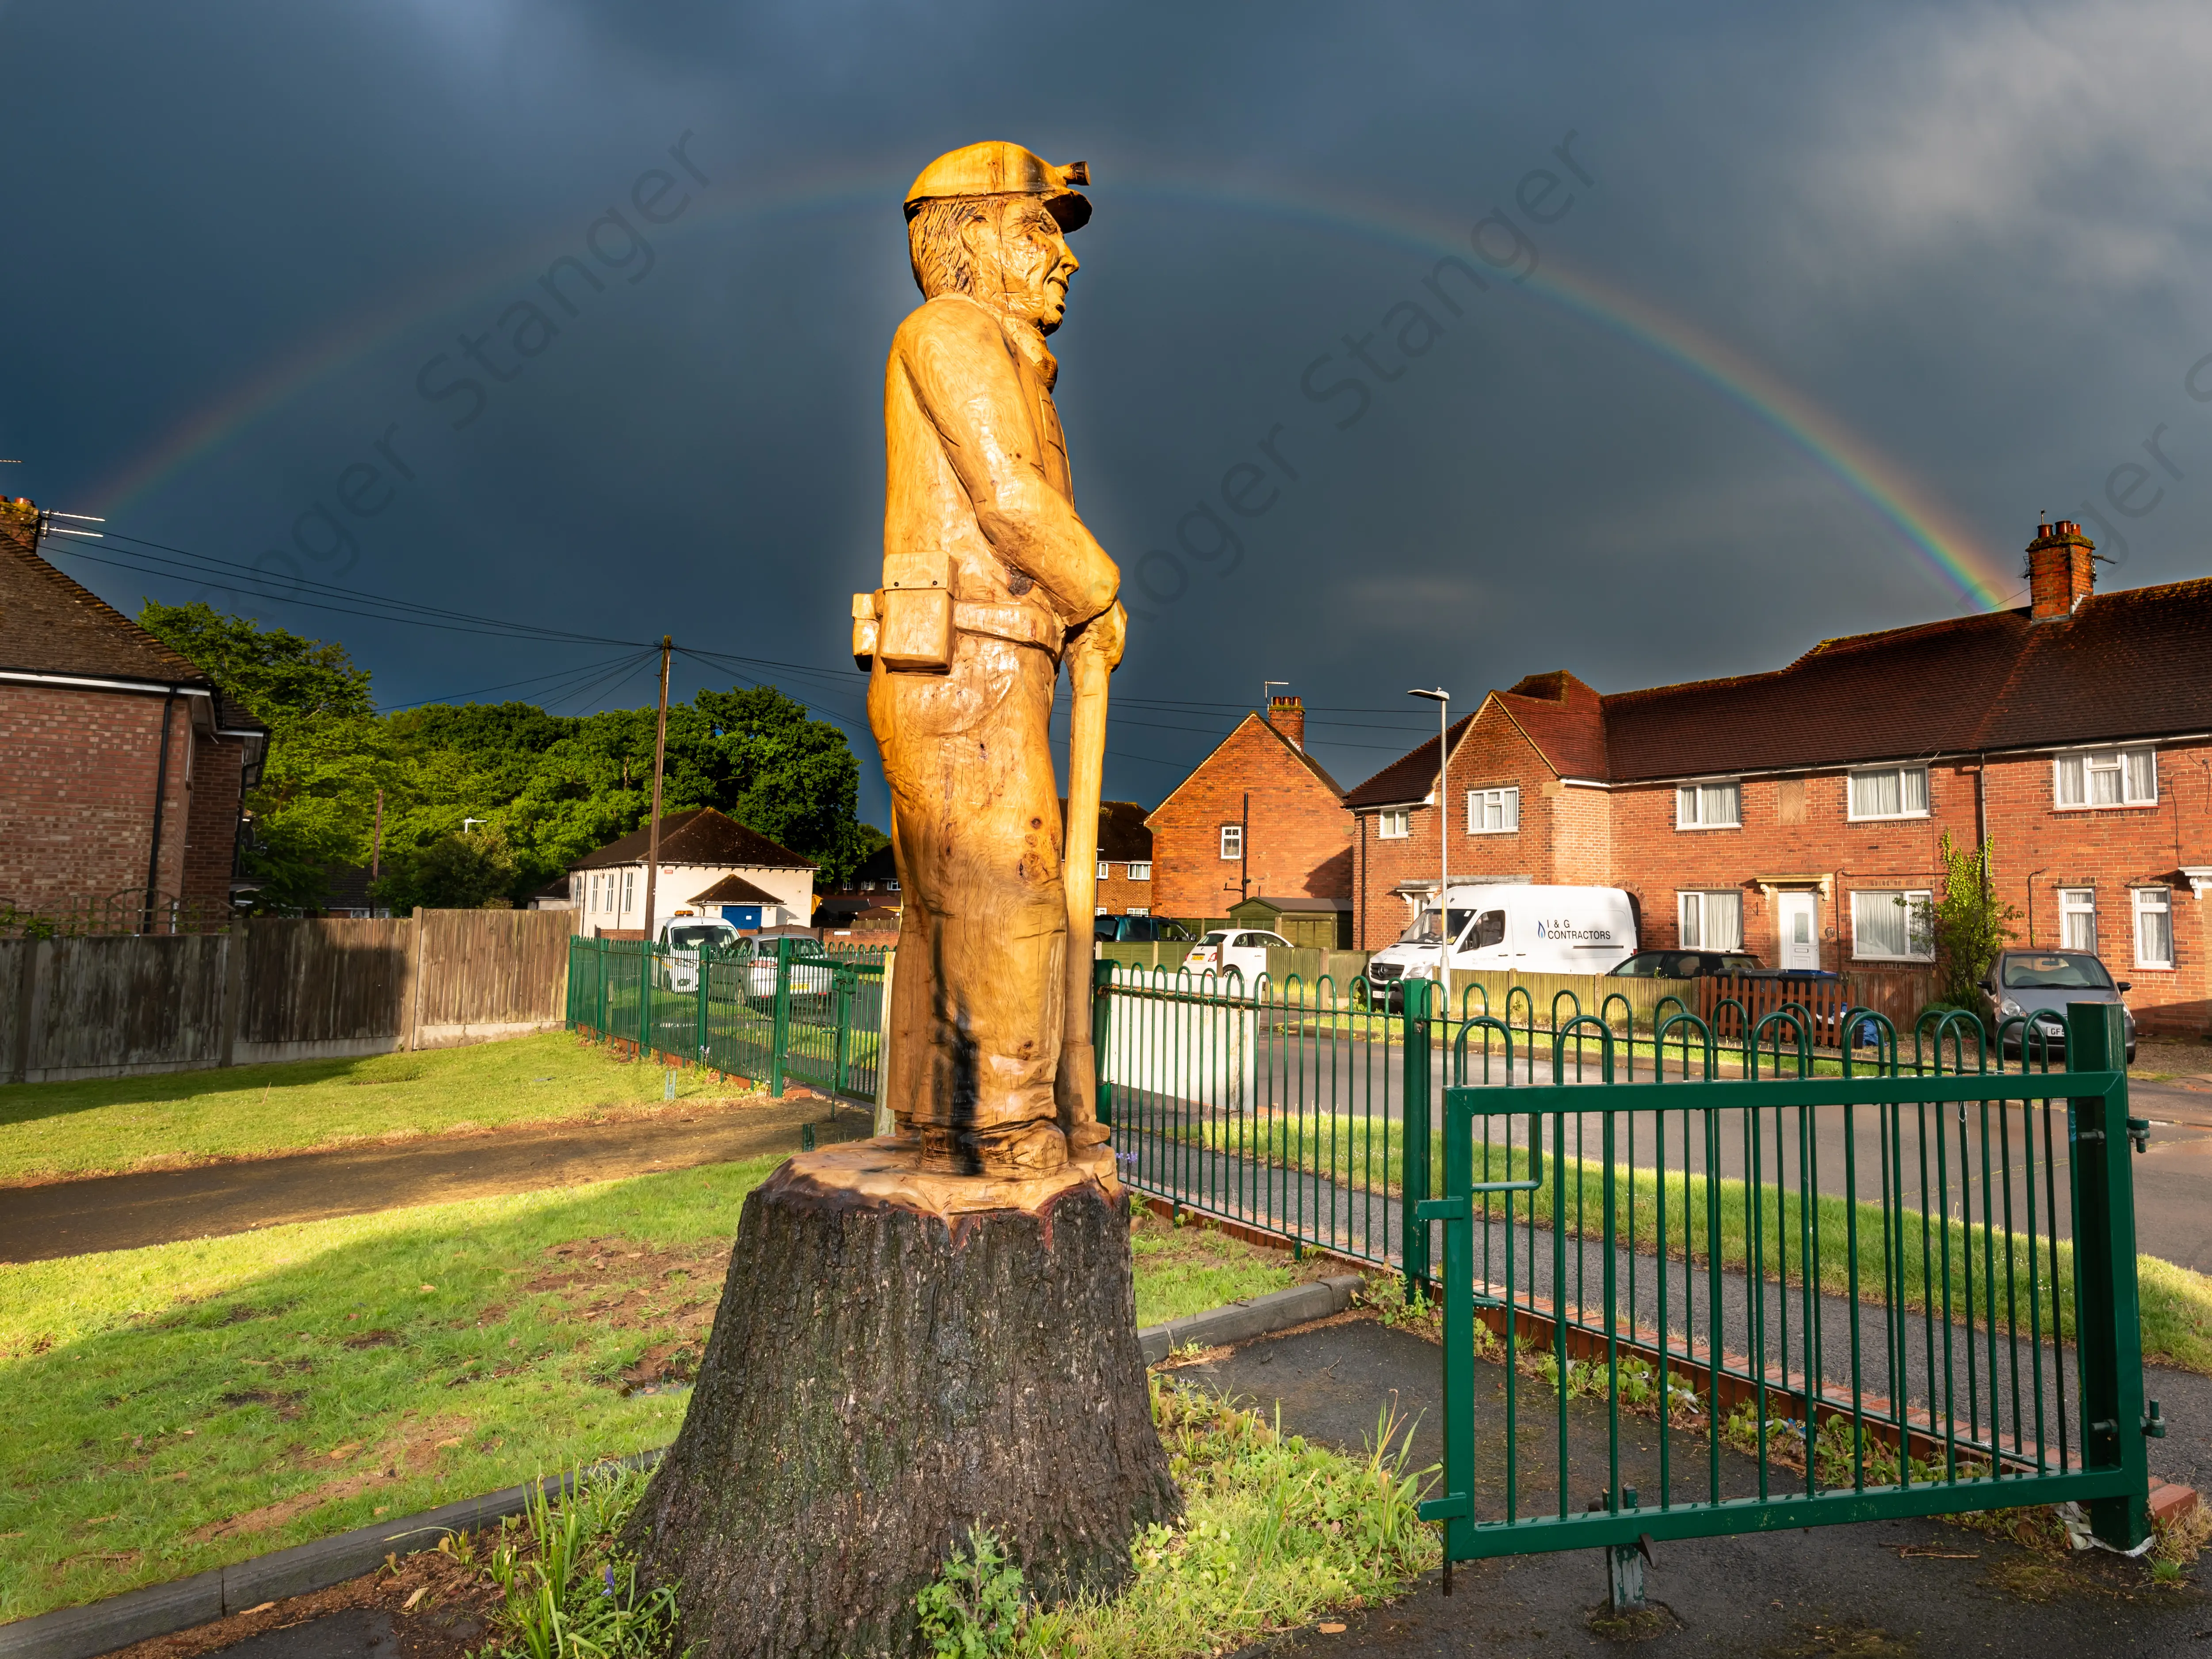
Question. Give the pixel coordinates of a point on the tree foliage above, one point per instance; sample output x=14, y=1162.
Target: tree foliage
x=1971, y=924
x=545, y=788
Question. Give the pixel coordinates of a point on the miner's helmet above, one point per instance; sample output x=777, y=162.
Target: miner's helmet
x=1002, y=169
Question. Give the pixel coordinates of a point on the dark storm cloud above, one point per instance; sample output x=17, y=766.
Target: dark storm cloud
x=1971, y=235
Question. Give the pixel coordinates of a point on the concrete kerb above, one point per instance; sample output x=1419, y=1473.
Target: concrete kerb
x=162, y=1609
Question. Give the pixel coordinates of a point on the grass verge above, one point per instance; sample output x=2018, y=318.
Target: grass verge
x=56, y=1131
x=193, y=1404
x=2030, y=1290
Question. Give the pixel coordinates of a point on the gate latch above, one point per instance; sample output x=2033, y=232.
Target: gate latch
x=2155, y=1425
x=2139, y=1132
x=1441, y=1209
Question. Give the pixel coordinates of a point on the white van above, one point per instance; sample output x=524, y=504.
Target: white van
x=1508, y=925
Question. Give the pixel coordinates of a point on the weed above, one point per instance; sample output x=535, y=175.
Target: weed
x=974, y=1609
x=566, y=1590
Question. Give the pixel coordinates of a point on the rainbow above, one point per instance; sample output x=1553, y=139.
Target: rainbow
x=1955, y=557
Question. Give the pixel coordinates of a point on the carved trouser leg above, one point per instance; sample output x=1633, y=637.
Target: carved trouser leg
x=983, y=936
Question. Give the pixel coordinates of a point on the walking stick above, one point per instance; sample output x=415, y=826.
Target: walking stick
x=1077, y=1092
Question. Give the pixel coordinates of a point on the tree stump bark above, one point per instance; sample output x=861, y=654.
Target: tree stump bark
x=897, y=1356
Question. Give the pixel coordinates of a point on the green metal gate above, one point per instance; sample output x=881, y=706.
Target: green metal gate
x=1675, y=1309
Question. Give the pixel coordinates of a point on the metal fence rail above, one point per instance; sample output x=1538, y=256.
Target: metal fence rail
x=811, y=1016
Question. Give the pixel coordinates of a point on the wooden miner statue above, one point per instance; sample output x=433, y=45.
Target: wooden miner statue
x=991, y=582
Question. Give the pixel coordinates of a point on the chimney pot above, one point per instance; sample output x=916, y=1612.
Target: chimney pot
x=2061, y=570
x=1288, y=716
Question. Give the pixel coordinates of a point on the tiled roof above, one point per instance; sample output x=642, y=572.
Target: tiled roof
x=49, y=624
x=700, y=836
x=1122, y=832
x=2132, y=664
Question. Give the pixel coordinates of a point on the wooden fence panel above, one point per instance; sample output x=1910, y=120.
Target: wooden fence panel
x=104, y=1007
x=491, y=973
x=323, y=985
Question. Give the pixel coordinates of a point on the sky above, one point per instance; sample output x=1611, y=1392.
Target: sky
x=560, y=326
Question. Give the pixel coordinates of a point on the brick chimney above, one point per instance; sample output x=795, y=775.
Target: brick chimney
x=1288, y=716
x=2061, y=570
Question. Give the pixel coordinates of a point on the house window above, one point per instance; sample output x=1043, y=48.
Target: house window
x=1895, y=791
x=890, y=887
x=1711, y=921
x=868, y=887
x=2077, y=918
x=628, y=890
x=1891, y=927
x=1492, y=812
x=1102, y=911
x=1393, y=822
x=1139, y=910
x=1232, y=841
x=2154, y=927
x=1140, y=871
x=1709, y=806
x=1105, y=870
x=2106, y=777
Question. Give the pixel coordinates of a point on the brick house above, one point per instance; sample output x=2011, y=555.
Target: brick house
x=1797, y=813
x=874, y=885
x=1259, y=816
x=1125, y=860
x=126, y=768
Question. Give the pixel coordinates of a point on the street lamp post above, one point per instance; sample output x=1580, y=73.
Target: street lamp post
x=1442, y=698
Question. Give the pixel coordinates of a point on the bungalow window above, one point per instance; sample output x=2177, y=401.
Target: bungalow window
x=1393, y=822
x=1893, y=792
x=2154, y=927
x=1891, y=927
x=1709, y=806
x=628, y=889
x=1140, y=870
x=1711, y=921
x=2077, y=918
x=1232, y=841
x=1492, y=812
x=2106, y=777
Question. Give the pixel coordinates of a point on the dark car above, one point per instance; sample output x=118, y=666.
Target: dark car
x=2036, y=986
x=1684, y=964
x=1140, y=930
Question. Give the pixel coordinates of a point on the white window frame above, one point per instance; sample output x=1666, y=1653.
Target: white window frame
x=1394, y=823
x=2089, y=762
x=1105, y=870
x=1689, y=801
x=1850, y=794
x=1139, y=910
x=629, y=892
x=2077, y=902
x=1508, y=798
x=1691, y=902
x=1139, y=870
x=2152, y=901
x=1232, y=842
x=891, y=886
x=1923, y=897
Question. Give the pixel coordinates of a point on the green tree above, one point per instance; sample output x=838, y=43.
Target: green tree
x=1970, y=923
x=328, y=752
x=474, y=870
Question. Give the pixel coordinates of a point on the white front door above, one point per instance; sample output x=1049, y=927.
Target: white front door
x=1800, y=931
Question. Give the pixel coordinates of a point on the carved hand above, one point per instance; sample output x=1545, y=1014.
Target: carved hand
x=1106, y=635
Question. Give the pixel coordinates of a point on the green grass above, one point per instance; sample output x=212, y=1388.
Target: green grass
x=312, y=1378
x=2175, y=1302
x=61, y=1130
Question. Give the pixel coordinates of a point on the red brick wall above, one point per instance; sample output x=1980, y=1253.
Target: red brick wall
x=77, y=815
x=1301, y=834
x=1117, y=894
x=211, y=844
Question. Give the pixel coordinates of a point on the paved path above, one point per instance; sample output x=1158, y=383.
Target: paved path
x=127, y=1211
x=1848, y=1590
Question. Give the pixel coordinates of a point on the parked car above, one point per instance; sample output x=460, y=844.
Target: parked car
x=2036, y=986
x=1244, y=949
x=1140, y=930
x=1686, y=964
x=681, y=938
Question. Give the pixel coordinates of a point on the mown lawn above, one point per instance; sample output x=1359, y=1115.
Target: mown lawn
x=52, y=1131
x=175, y=1409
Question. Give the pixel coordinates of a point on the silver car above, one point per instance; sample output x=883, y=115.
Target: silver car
x=2037, y=985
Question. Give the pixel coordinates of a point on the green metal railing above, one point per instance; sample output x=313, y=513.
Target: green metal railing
x=1861, y=1297
x=788, y=1012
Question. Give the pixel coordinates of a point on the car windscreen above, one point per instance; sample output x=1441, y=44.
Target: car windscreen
x=691, y=939
x=1422, y=928
x=1217, y=937
x=2066, y=970
x=1174, y=930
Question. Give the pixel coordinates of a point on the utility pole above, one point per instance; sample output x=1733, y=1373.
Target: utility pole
x=1442, y=698
x=1244, y=851
x=660, y=755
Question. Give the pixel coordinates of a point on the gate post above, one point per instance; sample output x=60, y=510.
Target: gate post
x=1413, y=1121
x=706, y=973
x=2105, y=1276
x=780, y=1033
x=1102, y=1002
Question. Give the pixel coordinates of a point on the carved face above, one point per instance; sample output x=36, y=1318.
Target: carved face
x=1022, y=263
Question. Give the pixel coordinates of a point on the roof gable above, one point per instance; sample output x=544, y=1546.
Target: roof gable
x=702, y=836
x=1266, y=729
x=50, y=624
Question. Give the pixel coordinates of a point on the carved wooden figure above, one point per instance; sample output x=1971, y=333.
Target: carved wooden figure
x=936, y=1327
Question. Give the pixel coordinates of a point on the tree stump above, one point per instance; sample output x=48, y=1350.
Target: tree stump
x=897, y=1356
